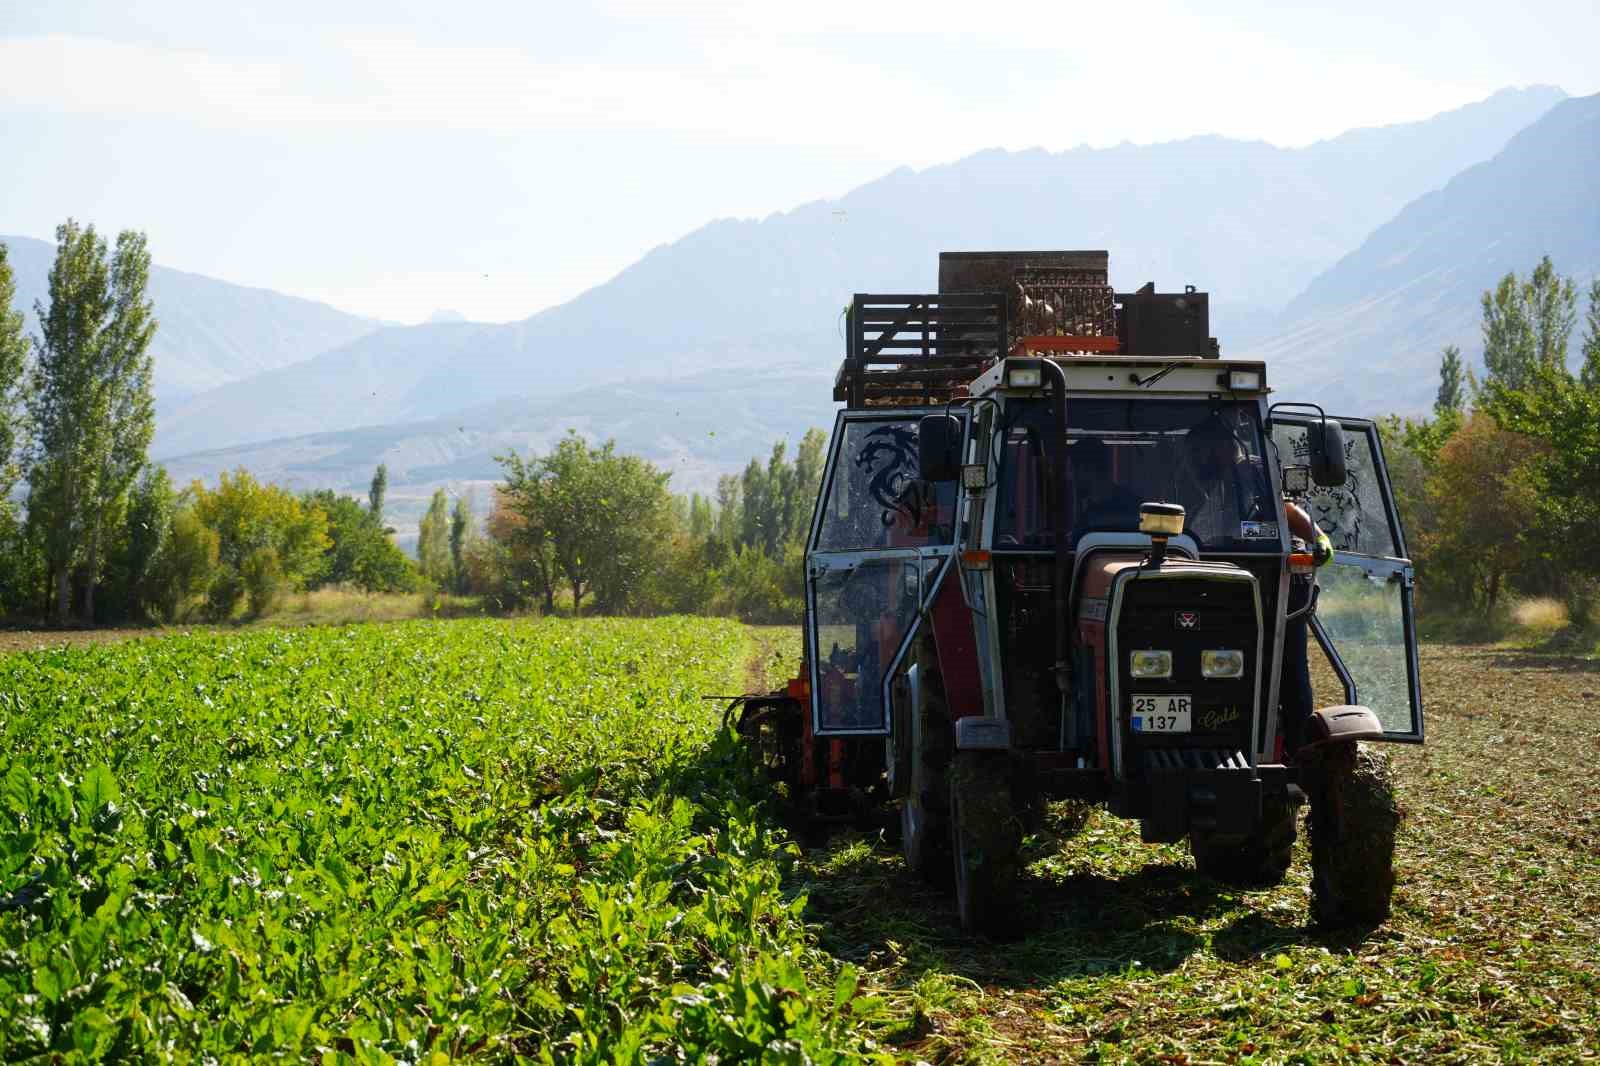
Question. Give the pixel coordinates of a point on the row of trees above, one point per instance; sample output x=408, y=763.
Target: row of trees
x=88, y=526
x=1500, y=488
x=603, y=529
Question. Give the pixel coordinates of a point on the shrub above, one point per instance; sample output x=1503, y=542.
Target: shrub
x=262, y=577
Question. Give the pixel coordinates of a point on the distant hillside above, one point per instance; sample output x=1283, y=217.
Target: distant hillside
x=211, y=332
x=1251, y=223
x=697, y=426
x=1367, y=332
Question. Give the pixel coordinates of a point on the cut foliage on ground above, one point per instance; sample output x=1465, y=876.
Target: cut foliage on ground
x=1492, y=954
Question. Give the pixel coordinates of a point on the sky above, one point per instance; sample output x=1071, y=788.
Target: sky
x=397, y=158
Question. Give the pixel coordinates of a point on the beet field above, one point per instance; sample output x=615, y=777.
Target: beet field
x=530, y=841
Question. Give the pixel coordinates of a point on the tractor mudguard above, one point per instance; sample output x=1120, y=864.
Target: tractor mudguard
x=1334, y=725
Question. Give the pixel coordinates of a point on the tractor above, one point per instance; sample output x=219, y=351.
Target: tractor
x=1052, y=558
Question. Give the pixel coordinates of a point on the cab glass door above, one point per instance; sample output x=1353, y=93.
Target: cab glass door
x=880, y=542
x=1365, y=617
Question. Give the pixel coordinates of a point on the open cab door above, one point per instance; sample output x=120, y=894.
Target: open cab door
x=1365, y=616
x=881, y=540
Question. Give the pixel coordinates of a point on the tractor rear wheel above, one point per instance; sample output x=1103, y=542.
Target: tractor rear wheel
x=925, y=810
x=987, y=839
x=1354, y=818
x=1258, y=861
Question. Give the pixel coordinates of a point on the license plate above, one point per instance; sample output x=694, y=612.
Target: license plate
x=1162, y=714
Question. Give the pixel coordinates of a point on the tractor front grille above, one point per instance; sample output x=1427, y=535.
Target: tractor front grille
x=1193, y=759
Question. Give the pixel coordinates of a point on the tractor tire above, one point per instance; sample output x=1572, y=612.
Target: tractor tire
x=986, y=836
x=1258, y=861
x=1354, y=818
x=925, y=810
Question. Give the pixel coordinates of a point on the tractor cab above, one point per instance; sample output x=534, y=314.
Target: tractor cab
x=1053, y=557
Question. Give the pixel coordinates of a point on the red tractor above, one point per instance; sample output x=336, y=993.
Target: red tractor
x=1054, y=556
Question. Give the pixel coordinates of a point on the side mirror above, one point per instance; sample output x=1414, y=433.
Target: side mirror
x=939, y=448
x=1326, y=437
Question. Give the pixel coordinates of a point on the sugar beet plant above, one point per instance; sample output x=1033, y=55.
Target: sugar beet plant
x=403, y=843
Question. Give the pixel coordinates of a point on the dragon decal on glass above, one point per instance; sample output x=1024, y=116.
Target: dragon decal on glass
x=888, y=459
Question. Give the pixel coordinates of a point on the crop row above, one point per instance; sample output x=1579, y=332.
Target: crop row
x=398, y=843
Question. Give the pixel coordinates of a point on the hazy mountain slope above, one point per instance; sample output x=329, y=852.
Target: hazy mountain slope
x=1247, y=221
x=1368, y=331
x=211, y=332
x=697, y=426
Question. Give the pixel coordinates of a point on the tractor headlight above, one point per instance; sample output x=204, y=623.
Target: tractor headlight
x=1149, y=664
x=1220, y=664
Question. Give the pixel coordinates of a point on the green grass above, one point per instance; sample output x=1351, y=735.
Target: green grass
x=409, y=842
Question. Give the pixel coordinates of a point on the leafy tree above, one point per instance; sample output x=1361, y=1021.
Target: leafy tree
x=376, y=493
x=1589, y=374
x=91, y=404
x=460, y=536
x=755, y=505
x=605, y=517
x=1562, y=413
x=808, y=462
x=512, y=565
x=360, y=552
x=13, y=433
x=124, y=378
x=730, y=506
x=67, y=407
x=1452, y=384
x=188, y=564
x=267, y=540
x=433, y=541
x=13, y=379
x=1484, y=501
x=21, y=565
x=1527, y=325
x=1552, y=303
x=517, y=560
x=133, y=570
x=701, y=518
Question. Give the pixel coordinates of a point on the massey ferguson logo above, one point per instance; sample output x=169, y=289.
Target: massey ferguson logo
x=1188, y=619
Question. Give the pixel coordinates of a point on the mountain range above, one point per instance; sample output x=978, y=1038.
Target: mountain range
x=1368, y=330
x=1250, y=222
x=211, y=332
x=1347, y=264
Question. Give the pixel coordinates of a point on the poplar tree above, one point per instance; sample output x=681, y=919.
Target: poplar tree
x=433, y=540
x=1527, y=326
x=1589, y=374
x=67, y=409
x=376, y=492
x=13, y=378
x=90, y=402
x=1452, y=391
x=13, y=435
x=460, y=531
x=124, y=375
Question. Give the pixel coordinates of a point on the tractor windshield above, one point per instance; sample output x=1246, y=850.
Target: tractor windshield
x=1204, y=454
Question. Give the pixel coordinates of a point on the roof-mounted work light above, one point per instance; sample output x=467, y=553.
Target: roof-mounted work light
x=1025, y=376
